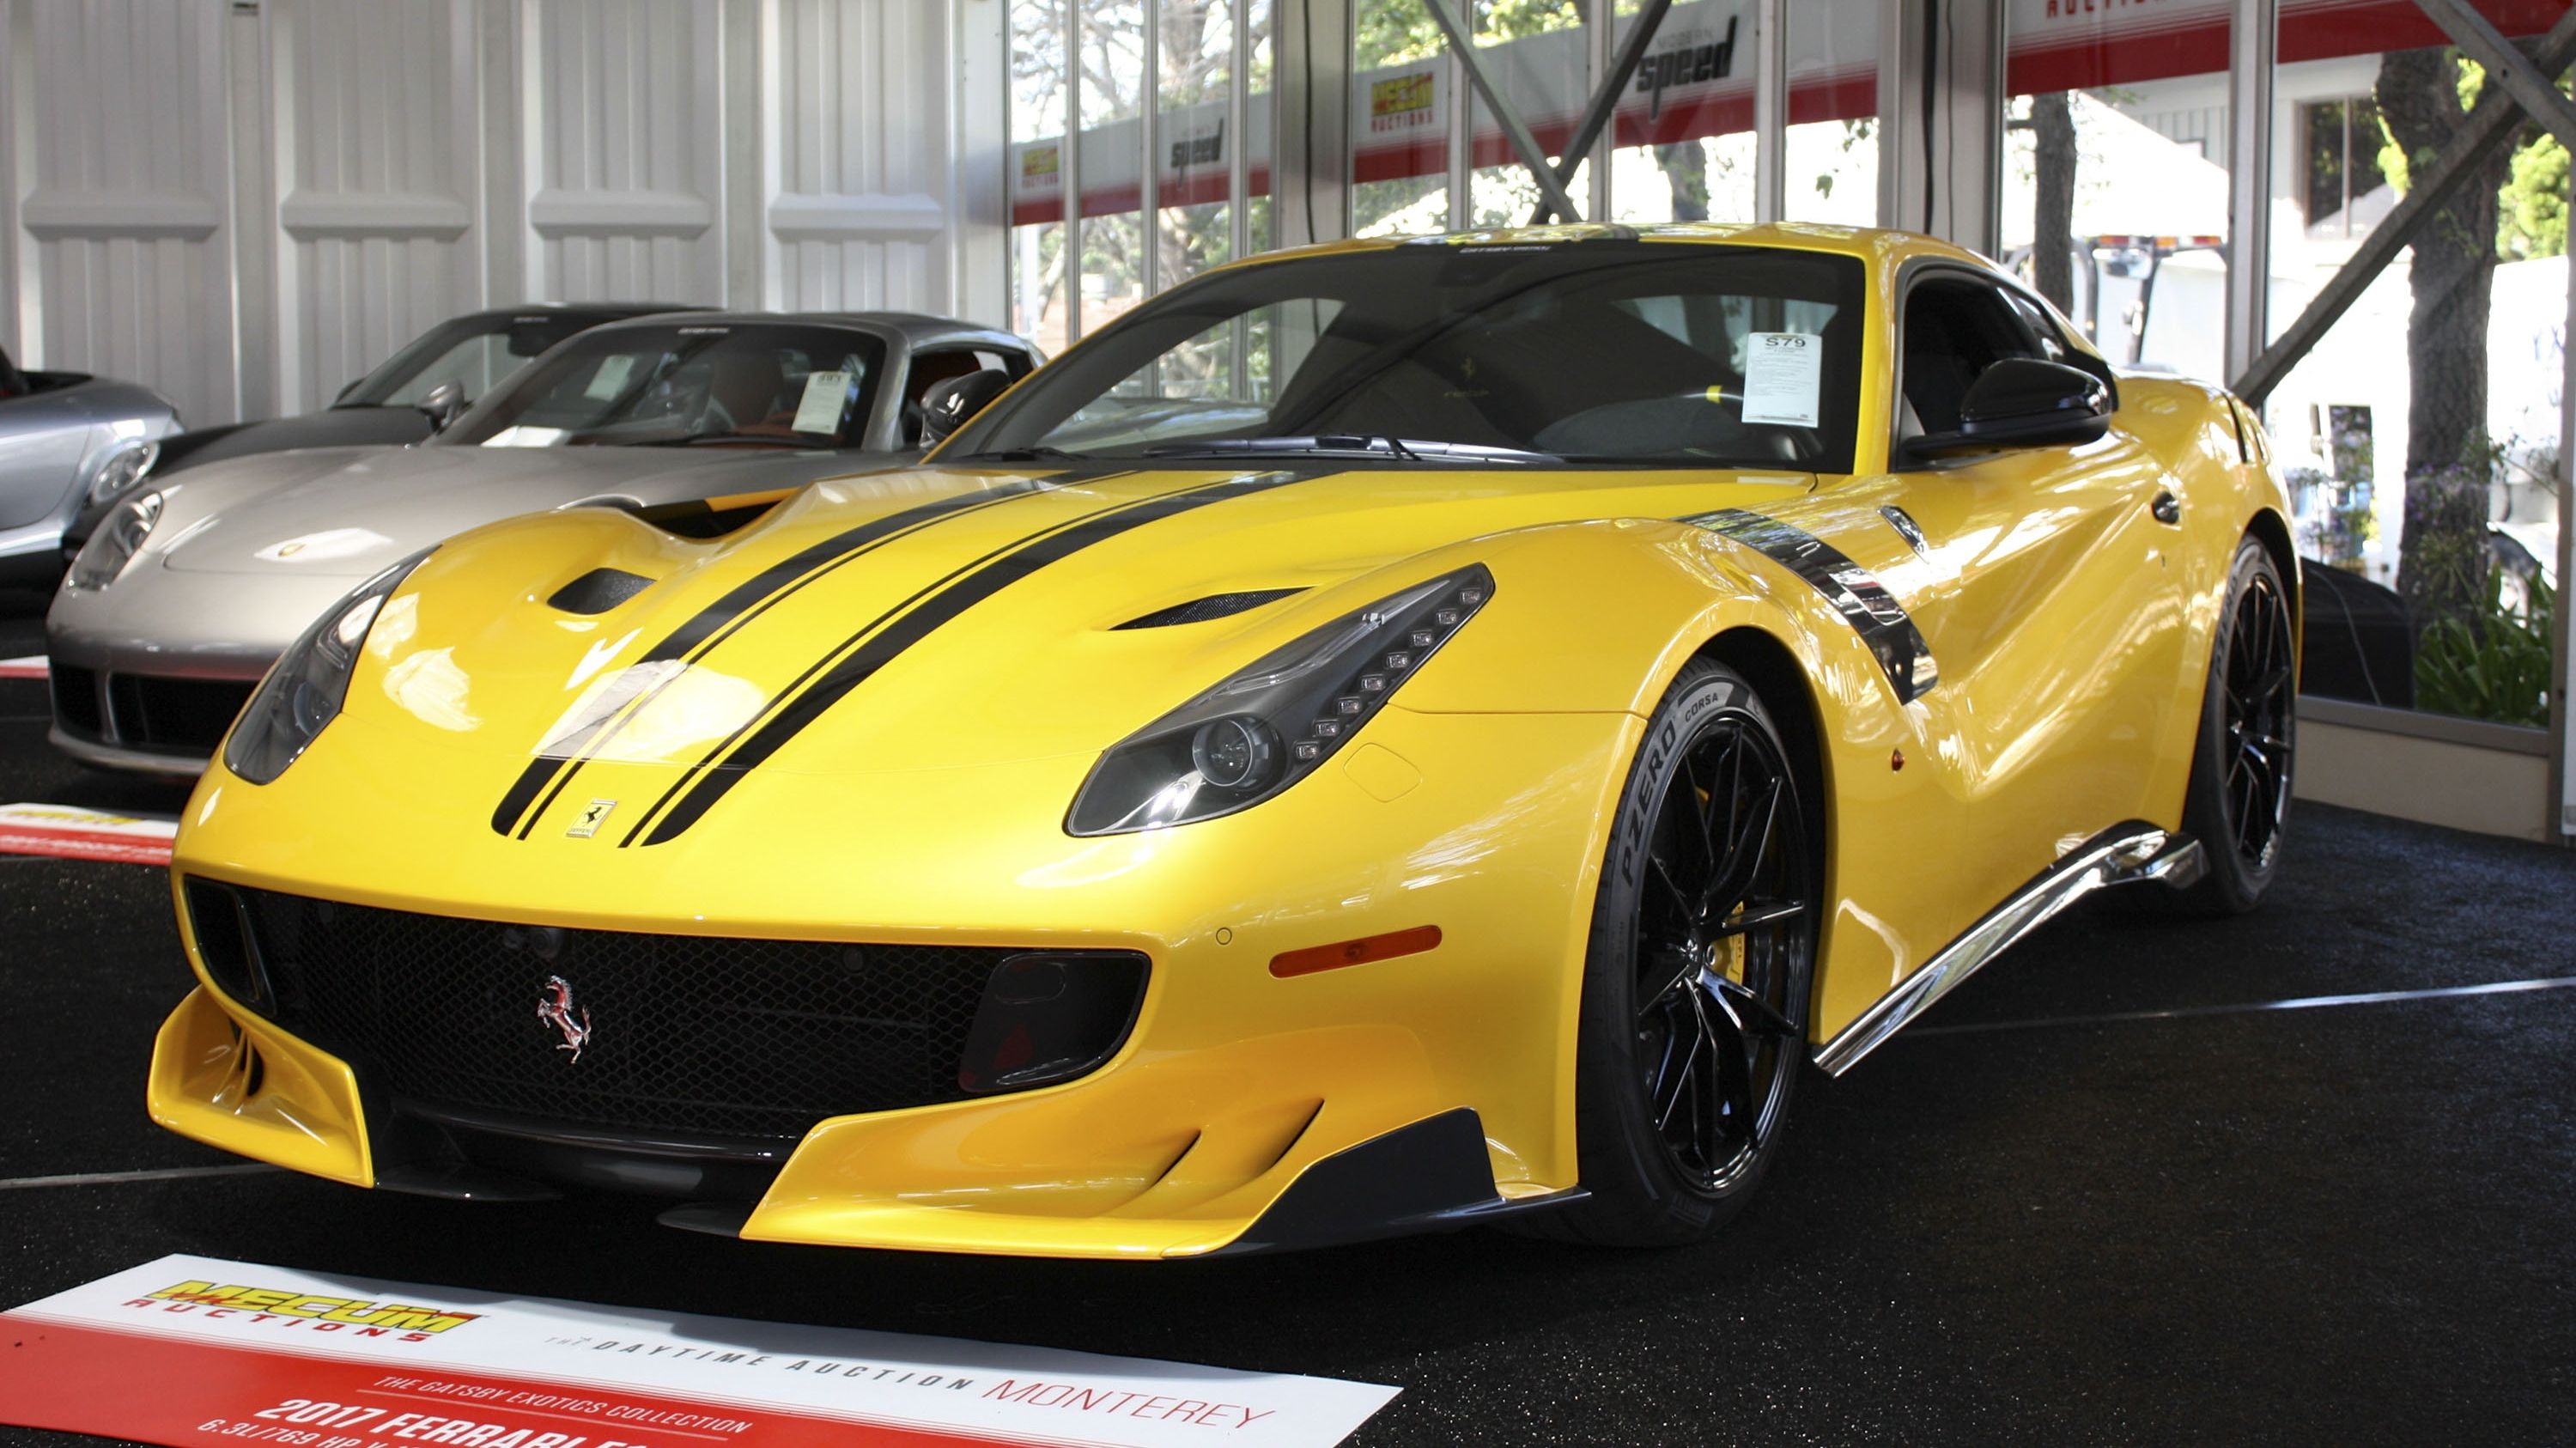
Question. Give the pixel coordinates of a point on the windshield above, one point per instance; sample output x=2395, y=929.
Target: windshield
x=1597, y=351
x=476, y=353
x=677, y=384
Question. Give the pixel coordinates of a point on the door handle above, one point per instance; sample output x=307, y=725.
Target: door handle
x=2166, y=507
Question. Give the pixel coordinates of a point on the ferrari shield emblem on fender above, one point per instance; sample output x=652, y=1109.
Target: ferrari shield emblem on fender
x=592, y=816
x=555, y=1008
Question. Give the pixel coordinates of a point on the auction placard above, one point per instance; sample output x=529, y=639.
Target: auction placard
x=190, y=1351
x=69, y=832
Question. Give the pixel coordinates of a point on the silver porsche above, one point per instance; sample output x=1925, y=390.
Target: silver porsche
x=65, y=439
x=188, y=591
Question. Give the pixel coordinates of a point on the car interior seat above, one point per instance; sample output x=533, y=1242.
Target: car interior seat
x=929, y=371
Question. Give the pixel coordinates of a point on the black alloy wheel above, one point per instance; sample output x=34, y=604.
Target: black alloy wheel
x=1701, y=962
x=2237, y=801
x=2260, y=703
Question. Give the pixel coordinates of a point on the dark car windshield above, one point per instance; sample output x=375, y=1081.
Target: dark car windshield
x=684, y=383
x=476, y=353
x=1593, y=351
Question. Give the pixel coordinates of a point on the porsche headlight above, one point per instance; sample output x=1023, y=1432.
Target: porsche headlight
x=116, y=542
x=309, y=682
x=1277, y=721
x=123, y=469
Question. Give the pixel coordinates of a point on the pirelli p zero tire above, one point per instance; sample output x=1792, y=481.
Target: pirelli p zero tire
x=2238, y=801
x=1700, y=965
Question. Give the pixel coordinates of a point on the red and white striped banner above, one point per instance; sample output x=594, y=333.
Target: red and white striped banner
x=190, y=1350
x=71, y=833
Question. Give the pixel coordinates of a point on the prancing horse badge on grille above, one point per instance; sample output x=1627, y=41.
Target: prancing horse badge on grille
x=555, y=1008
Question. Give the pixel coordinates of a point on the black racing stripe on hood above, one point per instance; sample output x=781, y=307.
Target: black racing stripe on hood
x=888, y=637
x=719, y=620
x=1855, y=592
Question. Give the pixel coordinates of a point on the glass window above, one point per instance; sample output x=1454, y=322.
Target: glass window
x=1684, y=143
x=1832, y=161
x=735, y=383
x=475, y=353
x=2420, y=437
x=1036, y=177
x=1403, y=87
x=2115, y=190
x=1535, y=53
x=1593, y=351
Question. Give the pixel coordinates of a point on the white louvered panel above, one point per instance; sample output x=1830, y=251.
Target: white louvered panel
x=120, y=122
x=377, y=174
x=857, y=205
x=625, y=149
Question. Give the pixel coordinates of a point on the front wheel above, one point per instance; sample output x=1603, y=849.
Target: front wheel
x=1696, y=983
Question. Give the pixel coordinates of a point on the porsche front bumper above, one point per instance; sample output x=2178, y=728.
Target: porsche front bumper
x=1245, y=1107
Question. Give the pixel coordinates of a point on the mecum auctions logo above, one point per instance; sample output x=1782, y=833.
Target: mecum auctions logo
x=287, y=1307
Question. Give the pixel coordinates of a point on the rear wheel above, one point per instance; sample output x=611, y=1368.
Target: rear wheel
x=2238, y=804
x=1696, y=985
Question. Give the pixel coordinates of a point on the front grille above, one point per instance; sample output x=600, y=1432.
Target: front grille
x=696, y=1035
x=76, y=701
x=180, y=715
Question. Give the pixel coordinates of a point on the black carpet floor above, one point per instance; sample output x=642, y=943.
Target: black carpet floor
x=2048, y=1215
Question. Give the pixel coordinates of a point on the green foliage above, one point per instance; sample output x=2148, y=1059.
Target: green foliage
x=1389, y=32
x=2531, y=219
x=2531, y=210
x=2494, y=665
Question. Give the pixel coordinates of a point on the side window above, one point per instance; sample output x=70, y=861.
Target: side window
x=1955, y=328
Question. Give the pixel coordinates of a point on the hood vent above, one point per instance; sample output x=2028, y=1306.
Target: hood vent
x=1215, y=605
x=599, y=590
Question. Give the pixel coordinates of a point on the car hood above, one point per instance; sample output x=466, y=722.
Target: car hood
x=933, y=618
x=332, y=427
x=348, y=512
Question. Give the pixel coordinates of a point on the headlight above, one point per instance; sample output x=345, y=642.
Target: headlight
x=119, y=537
x=123, y=470
x=309, y=682
x=1277, y=721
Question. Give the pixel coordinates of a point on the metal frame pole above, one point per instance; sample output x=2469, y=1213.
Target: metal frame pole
x=2534, y=89
x=1069, y=171
x=2252, y=44
x=1770, y=110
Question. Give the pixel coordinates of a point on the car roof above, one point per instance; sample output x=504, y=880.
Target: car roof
x=1869, y=243
x=914, y=329
x=603, y=311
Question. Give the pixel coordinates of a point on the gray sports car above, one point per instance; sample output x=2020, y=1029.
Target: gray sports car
x=66, y=438
x=410, y=395
x=187, y=592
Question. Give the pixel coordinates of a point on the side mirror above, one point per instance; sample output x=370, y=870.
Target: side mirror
x=2024, y=402
x=951, y=404
x=443, y=404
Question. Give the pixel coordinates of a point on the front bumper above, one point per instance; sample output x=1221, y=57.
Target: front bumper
x=1233, y=1087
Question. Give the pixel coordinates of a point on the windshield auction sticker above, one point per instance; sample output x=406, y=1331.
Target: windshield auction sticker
x=69, y=832
x=1783, y=374
x=190, y=1350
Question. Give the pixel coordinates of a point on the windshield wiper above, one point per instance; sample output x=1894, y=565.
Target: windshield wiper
x=1364, y=444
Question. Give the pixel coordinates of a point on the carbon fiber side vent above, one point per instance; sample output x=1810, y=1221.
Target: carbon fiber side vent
x=599, y=590
x=1215, y=605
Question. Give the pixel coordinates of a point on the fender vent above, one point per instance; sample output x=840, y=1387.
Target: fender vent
x=1215, y=605
x=599, y=590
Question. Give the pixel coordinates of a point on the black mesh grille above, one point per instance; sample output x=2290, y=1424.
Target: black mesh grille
x=1200, y=610
x=688, y=1034
x=76, y=700
x=181, y=715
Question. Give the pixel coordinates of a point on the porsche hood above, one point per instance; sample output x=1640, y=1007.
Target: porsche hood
x=929, y=619
x=347, y=512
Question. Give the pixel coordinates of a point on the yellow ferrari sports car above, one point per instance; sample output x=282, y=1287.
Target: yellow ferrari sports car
x=1381, y=737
